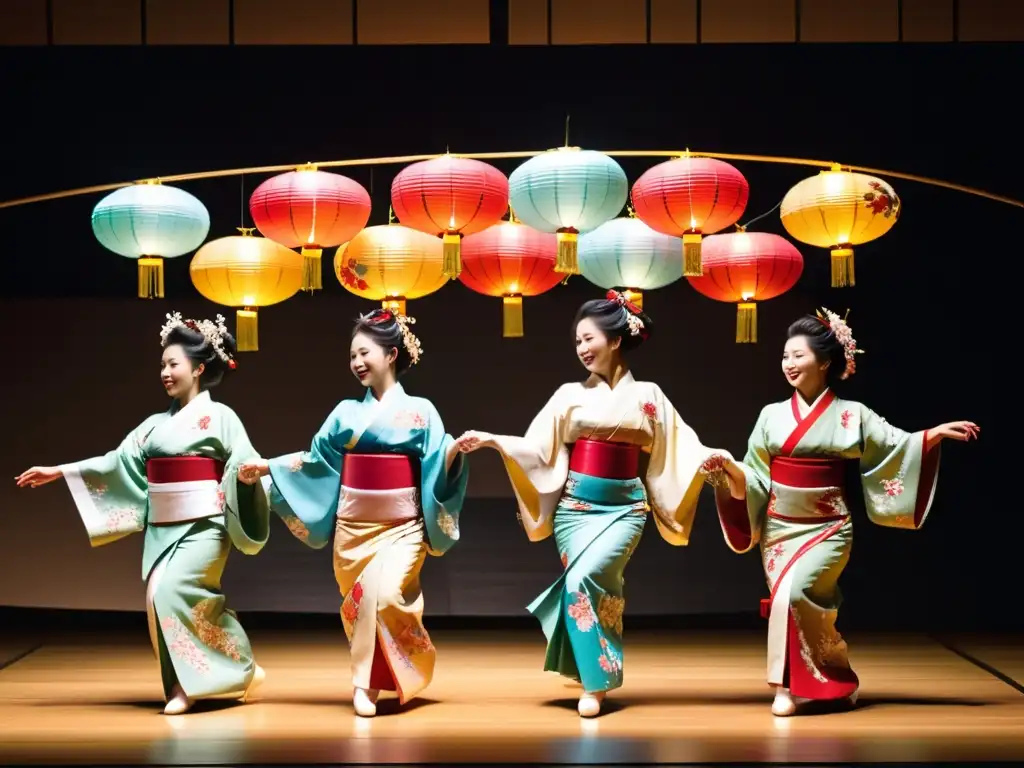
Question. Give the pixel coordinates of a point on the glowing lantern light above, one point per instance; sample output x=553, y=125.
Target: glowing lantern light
x=150, y=222
x=568, y=191
x=839, y=209
x=691, y=197
x=312, y=210
x=627, y=255
x=450, y=197
x=746, y=267
x=510, y=260
x=246, y=272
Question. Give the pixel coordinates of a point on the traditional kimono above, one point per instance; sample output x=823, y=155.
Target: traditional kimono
x=576, y=474
x=376, y=475
x=175, y=479
x=796, y=467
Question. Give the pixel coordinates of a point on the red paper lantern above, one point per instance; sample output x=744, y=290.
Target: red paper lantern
x=510, y=260
x=745, y=267
x=450, y=197
x=312, y=210
x=690, y=197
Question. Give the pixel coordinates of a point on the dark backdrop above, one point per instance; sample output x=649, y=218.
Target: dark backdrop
x=934, y=306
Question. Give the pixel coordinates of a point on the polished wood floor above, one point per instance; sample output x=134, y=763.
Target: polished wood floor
x=688, y=697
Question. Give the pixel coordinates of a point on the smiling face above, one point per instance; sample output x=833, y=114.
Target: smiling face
x=801, y=368
x=594, y=349
x=177, y=374
x=370, y=362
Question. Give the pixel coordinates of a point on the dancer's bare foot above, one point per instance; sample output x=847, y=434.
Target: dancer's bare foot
x=590, y=704
x=365, y=701
x=179, y=703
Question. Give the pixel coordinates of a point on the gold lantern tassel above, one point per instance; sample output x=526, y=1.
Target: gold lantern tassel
x=394, y=304
x=567, y=262
x=451, y=267
x=312, y=272
x=634, y=296
x=842, y=267
x=692, y=265
x=746, y=323
x=247, y=330
x=512, y=316
x=151, y=277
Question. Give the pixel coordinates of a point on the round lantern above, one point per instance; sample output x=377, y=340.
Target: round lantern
x=627, y=255
x=839, y=209
x=312, y=210
x=510, y=260
x=568, y=191
x=450, y=197
x=746, y=267
x=690, y=197
x=150, y=222
x=246, y=272
x=390, y=264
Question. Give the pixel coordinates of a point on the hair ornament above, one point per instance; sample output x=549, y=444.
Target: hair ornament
x=409, y=340
x=636, y=325
x=844, y=336
x=212, y=331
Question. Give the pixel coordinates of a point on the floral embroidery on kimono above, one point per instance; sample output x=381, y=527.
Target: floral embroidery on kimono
x=413, y=640
x=350, y=605
x=610, y=611
x=582, y=612
x=610, y=661
x=772, y=556
x=296, y=526
x=210, y=634
x=182, y=646
x=121, y=518
x=831, y=503
x=204, y=422
x=409, y=420
x=447, y=524
x=894, y=486
x=844, y=418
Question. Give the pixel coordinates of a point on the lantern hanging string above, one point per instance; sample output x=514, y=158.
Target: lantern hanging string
x=407, y=159
x=758, y=218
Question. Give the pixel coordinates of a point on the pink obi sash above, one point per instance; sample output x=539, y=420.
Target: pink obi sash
x=379, y=487
x=183, y=489
x=600, y=458
x=806, y=473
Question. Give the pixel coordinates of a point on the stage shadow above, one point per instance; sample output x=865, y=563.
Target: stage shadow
x=865, y=702
x=389, y=707
x=154, y=706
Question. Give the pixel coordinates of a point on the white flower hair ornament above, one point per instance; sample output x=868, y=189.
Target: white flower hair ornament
x=213, y=331
x=844, y=336
x=409, y=339
x=633, y=320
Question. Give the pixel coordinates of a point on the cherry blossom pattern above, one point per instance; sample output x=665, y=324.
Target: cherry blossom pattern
x=409, y=420
x=844, y=418
x=772, y=557
x=609, y=660
x=122, y=519
x=609, y=612
x=448, y=524
x=353, y=274
x=582, y=612
x=181, y=645
x=295, y=465
x=296, y=526
x=413, y=640
x=650, y=412
x=894, y=486
x=211, y=635
x=203, y=422
x=350, y=605
x=831, y=502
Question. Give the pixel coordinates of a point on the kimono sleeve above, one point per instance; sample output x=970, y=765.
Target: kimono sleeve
x=111, y=491
x=538, y=465
x=246, y=510
x=443, y=487
x=743, y=519
x=674, y=475
x=898, y=473
x=304, y=487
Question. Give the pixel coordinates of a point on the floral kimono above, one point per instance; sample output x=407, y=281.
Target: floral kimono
x=376, y=475
x=575, y=474
x=796, y=468
x=175, y=479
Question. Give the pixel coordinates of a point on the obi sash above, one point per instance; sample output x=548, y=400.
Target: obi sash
x=600, y=458
x=184, y=488
x=379, y=487
x=828, y=475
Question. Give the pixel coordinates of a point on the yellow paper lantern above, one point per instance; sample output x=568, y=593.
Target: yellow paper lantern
x=246, y=272
x=390, y=264
x=839, y=209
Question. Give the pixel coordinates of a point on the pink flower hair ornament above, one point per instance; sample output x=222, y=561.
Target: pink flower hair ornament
x=844, y=336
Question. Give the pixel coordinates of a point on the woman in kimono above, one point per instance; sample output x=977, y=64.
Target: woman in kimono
x=385, y=478
x=795, y=489
x=175, y=479
x=576, y=474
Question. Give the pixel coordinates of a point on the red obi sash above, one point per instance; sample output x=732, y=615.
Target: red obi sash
x=808, y=473
x=600, y=458
x=378, y=471
x=183, y=469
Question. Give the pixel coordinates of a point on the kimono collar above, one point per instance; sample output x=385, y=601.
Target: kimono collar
x=202, y=397
x=802, y=407
x=595, y=381
x=395, y=390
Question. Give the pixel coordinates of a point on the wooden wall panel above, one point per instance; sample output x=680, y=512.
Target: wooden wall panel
x=849, y=21
x=592, y=22
x=293, y=22
x=187, y=22
x=97, y=22
x=928, y=21
x=748, y=21
x=409, y=22
x=674, y=21
x=23, y=22
x=527, y=22
x=991, y=21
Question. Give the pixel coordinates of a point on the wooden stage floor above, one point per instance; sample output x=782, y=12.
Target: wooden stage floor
x=696, y=697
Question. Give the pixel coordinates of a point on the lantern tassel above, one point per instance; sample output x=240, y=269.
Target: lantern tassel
x=394, y=304
x=451, y=267
x=312, y=271
x=746, y=323
x=151, y=277
x=634, y=296
x=512, y=316
x=247, y=330
x=567, y=262
x=692, y=265
x=842, y=267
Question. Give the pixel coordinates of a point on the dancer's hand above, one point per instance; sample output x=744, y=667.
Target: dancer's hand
x=953, y=430
x=37, y=476
x=251, y=471
x=472, y=440
x=737, y=480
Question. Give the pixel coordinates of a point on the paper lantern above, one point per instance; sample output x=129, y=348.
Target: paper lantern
x=747, y=267
x=450, y=197
x=312, y=210
x=690, y=197
x=246, y=272
x=627, y=255
x=839, y=209
x=510, y=260
x=390, y=264
x=568, y=191
x=150, y=222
